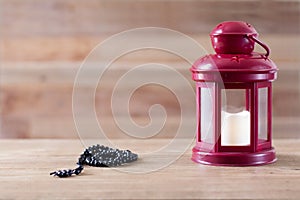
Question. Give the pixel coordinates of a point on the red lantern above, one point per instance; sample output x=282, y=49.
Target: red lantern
x=234, y=99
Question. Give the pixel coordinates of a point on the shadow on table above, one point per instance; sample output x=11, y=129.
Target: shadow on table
x=289, y=161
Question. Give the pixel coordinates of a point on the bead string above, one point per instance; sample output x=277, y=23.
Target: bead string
x=98, y=156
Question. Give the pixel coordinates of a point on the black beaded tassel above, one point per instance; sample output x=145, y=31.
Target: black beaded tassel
x=99, y=156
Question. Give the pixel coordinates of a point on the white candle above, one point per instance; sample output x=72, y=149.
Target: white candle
x=235, y=129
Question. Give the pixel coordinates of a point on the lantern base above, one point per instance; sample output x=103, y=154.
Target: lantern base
x=234, y=158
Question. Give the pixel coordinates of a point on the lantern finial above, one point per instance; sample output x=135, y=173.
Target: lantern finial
x=235, y=37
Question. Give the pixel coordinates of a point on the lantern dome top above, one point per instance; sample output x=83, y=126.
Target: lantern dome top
x=235, y=60
x=234, y=37
x=230, y=63
x=234, y=28
x=234, y=68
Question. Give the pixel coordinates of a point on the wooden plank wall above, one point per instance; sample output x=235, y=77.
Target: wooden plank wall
x=44, y=42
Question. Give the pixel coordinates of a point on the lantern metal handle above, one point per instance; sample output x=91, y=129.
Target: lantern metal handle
x=261, y=44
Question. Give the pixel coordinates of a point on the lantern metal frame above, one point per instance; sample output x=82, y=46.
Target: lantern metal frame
x=258, y=152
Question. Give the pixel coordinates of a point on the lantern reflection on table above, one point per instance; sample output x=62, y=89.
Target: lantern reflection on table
x=234, y=99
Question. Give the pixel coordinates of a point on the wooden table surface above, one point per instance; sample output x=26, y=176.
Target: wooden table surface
x=25, y=167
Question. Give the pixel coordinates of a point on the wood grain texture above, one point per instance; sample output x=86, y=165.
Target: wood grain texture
x=69, y=17
x=284, y=48
x=25, y=165
x=43, y=43
x=36, y=97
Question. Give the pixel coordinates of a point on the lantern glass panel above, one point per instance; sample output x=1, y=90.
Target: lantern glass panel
x=207, y=113
x=263, y=114
x=235, y=118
